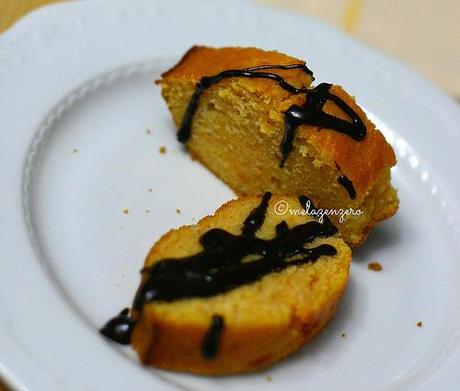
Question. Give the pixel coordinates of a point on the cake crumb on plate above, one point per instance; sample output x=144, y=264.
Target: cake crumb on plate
x=375, y=266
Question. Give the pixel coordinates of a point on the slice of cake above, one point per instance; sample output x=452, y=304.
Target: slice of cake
x=253, y=118
x=236, y=292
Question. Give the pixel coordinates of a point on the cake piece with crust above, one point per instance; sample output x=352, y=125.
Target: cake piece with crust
x=252, y=117
x=239, y=290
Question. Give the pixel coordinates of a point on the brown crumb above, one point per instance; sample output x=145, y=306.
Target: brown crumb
x=163, y=150
x=150, y=189
x=125, y=211
x=178, y=211
x=75, y=150
x=148, y=131
x=419, y=323
x=375, y=266
x=344, y=335
x=269, y=378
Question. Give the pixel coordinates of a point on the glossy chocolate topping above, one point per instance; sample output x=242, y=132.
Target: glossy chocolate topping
x=223, y=263
x=348, y=185
x=310, y=113
x=119, y=328
x=211, y=341
x=226, y=262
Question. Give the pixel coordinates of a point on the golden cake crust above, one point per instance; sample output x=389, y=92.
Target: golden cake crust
x=264, y=321
x=192, y=67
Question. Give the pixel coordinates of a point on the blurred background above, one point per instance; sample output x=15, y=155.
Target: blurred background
x=425, y=34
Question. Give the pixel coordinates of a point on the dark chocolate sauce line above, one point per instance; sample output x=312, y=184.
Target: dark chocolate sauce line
x=303, y=199
x=211, y=341
x=302, y=67
x=119, y=328
x=223, y=263
x=281, y=229
x=207, y=81
x=348, y=185
x=310, y=113
x=257, y=216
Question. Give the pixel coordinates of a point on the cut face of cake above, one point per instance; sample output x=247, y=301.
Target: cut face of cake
x=253, y=118
x=236, y=292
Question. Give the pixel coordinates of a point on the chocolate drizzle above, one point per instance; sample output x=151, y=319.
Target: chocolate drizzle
x=211, y=340
x=310, y=113
x=348, y=185
x=251, y=73
x=119, y=328
x=305, y=201
x=228, y=261
x=257, y=216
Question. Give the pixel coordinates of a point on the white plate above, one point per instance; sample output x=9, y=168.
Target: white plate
x=79, y=76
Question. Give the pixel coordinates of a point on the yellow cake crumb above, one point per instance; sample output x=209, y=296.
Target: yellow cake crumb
x=375, y=266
